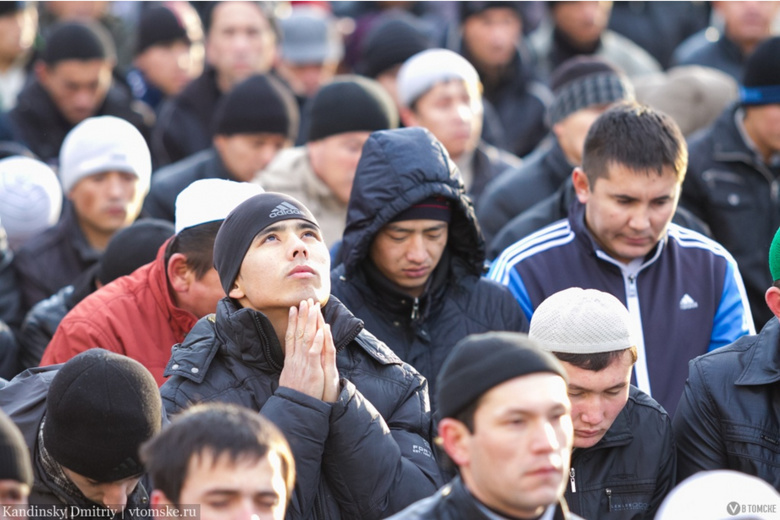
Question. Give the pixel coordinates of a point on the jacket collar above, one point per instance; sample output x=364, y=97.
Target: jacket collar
x=557, y=163
x=71, y=229
x=763, y=365
x=469, y=507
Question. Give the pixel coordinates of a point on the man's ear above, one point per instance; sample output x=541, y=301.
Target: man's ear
x=408, y=117
x=581, y=184
x=772, y=297
x=455, y=437
x=236, y=292
x=42, y=72
x=180, y=276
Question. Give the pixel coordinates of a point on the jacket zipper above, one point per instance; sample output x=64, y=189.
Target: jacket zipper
x=609, y=498
x=416, y=309
x=573, y=483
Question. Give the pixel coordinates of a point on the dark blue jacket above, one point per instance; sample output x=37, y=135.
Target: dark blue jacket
x=686, y=298
x=729, y=414
x=399, y=168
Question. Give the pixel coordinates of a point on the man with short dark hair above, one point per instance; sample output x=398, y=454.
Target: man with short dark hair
x=357, y=418
x=619, y=238
x=223, y=459
x=83, y=423
x=623, y=463
x=506, y=424
x=144, y=314
x=72, y=82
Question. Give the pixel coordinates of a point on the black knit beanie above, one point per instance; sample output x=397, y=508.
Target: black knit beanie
x=432, y=208
x=100, y=408
x=14, y=456
x=479, y=362
x=350, y=104
x=7, y=8
x=75, y=41
x=132, y=247
x=390, y=43
x=159, y=25
x=259, y=104
x=761, y=79
x=585, y=81
x=471, y=8
x=244, y=223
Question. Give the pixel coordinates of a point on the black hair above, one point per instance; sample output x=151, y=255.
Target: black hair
x=597, y=361
x=197, y=244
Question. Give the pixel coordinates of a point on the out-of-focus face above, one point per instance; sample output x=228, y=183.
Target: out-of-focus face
x=492, y=35
x=77, y=87
x=240, y=42
x=305, y=79
x=244, y=489
x=517, y=458
x=169, y=66
x=453, y=114
x=106, y=202
x=406, y=252
x=244, y=155
x=77, y=10
x=597, y=398
x=14, y=494
x=762, y=123
x=747, y=23
x=582, y=22
x=335, y=159
x=628, y=212
x=573, y=129
x=110, y=494
x=287, y=262
x=17, y=32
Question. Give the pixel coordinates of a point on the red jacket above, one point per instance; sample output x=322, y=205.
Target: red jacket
x=134, y=315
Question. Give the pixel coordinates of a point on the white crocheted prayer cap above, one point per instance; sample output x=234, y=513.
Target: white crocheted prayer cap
x=582, y=321
x=210, y=200
x=422, y=71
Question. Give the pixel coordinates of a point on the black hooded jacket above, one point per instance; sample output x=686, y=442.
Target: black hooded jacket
x=399, y=168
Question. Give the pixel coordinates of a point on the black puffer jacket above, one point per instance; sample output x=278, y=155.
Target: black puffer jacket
x=454, y=502
x=729, y=414
x=365, y=456
x=398, y=169
x=737, y=195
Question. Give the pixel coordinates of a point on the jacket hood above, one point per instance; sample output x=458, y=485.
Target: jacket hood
x=397, y=169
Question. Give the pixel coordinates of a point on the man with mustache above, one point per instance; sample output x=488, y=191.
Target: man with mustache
x=683, y=290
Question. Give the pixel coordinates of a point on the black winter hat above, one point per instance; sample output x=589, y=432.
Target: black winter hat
x=242, y=225
x=14, y=456
x=390, y=43
x=471, y=8
x=259, y=104
x=7, y=8
x=132, y=247
x=480, y=362
x=100, y=408
x=761, y=78
x=350, y=103
x=77, y=41
x=159, y=25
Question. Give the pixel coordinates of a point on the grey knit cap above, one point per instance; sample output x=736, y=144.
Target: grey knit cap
x=582, y=321
x=600, y=88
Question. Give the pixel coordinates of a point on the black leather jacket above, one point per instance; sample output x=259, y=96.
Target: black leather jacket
x=729, y=414
x=365, y=456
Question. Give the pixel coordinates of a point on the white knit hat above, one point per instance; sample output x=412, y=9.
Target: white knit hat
x=422, y=71
x=210, y=200
x=582, y=321
x=101, y=144
x=721, y=495
x=30, y=198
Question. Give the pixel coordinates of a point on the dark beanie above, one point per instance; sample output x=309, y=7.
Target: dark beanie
x=259, y=104
x=586, y=81
x=14, y=456
x=7, y=8
x=75, y=41
x=350, y=104
x=761, y=79
x=432, y=208
x=242, y=225
x=100, y=408
x=158, y=26
x=479, y=362
x=390, y=43
x=132, y=247
x=468, y=9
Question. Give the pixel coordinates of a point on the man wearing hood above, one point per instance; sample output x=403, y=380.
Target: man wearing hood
x=413, y=253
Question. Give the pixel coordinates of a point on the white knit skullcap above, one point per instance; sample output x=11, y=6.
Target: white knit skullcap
x=210, y=200
x=30, y=198
x=423, y=70
x=721, y=495
x=582, y=321
x=102, y=144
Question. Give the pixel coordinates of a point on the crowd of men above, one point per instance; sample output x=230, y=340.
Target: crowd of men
x=446, y=260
